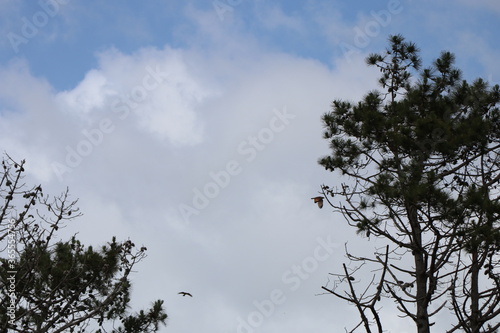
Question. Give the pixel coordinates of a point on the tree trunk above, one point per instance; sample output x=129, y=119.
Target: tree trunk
x=422, y=317
x=475, y=324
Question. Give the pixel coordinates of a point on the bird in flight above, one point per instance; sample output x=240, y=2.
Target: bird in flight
x=183, y=293
x=319, y=201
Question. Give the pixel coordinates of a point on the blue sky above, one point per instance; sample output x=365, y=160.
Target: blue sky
x=65, y=47
x=193, y=127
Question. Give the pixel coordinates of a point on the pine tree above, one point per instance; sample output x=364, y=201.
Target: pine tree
x=61, y=286
x=421, y=163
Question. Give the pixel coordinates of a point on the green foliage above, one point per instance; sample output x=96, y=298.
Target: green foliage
x=143, y=322
x=62, y=286
x=423, y=162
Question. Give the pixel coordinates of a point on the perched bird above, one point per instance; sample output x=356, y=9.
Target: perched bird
x=183, y=293
x=319, y=201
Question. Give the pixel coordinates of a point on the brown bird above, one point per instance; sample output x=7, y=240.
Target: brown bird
x=319, y=201
x=183, y=293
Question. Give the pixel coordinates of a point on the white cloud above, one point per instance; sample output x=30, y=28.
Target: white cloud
x=91, y=93
x=135, y=182
x=151, y=91
x=179, y=115
x=29, y=121
x=155, y=86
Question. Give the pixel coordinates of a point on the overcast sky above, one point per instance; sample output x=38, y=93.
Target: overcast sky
x=193, y=128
